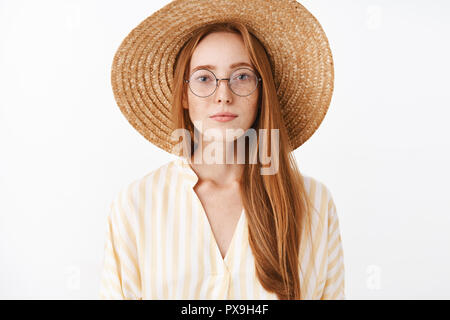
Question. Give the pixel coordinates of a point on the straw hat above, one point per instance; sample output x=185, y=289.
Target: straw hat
x=298, y=49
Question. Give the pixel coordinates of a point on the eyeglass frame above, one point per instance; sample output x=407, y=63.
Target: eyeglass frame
x=228, y=82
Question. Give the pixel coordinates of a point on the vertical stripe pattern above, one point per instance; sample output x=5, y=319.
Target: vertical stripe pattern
x=158, y=245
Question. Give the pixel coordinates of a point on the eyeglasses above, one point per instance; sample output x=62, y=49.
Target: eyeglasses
x=241, y=82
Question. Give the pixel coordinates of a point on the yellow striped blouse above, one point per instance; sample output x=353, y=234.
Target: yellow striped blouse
x=159, y=245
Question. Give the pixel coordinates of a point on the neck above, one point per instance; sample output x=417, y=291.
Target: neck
x=216, y=162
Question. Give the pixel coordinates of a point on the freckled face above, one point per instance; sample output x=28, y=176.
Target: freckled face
x=221, y=49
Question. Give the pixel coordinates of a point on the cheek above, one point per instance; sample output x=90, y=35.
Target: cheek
x=252, y=104
x=253, y=110
x=193, y=106
x=197, y=108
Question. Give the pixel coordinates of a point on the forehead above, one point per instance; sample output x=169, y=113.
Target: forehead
x=220, y=50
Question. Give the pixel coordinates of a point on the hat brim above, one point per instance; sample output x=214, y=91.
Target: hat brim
x=142, y=69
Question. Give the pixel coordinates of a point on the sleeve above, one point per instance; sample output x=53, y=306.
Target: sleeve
x=120, y=277
x=334, y=284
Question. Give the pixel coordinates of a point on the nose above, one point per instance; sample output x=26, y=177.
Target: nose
x=223, y=92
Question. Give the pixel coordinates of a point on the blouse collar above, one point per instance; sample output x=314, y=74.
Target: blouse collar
x=187, y=171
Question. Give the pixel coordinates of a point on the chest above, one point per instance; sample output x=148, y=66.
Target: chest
x=223, y=208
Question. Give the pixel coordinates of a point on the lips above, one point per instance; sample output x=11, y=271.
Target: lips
x=224, y=114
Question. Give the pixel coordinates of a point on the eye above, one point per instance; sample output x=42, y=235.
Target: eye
x=203, y=78
x=242, y=76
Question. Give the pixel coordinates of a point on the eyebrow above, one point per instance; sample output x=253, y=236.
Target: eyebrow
x=234, y=65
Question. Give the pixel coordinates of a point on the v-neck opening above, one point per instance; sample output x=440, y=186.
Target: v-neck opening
x=182, y=163
x=223, y=260
x=230, y=246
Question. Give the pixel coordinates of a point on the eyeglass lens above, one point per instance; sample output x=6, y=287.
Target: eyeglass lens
x=242, y=82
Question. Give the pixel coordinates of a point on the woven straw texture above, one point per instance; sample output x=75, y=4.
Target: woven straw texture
x=142, y=69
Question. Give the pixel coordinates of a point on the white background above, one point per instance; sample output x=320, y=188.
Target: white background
x=382, y=149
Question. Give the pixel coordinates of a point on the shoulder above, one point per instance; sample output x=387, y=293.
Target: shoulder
x=316, y=188
x=320, y=197
x=152, y=182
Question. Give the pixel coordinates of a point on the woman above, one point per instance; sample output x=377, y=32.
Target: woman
x=226, y=220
